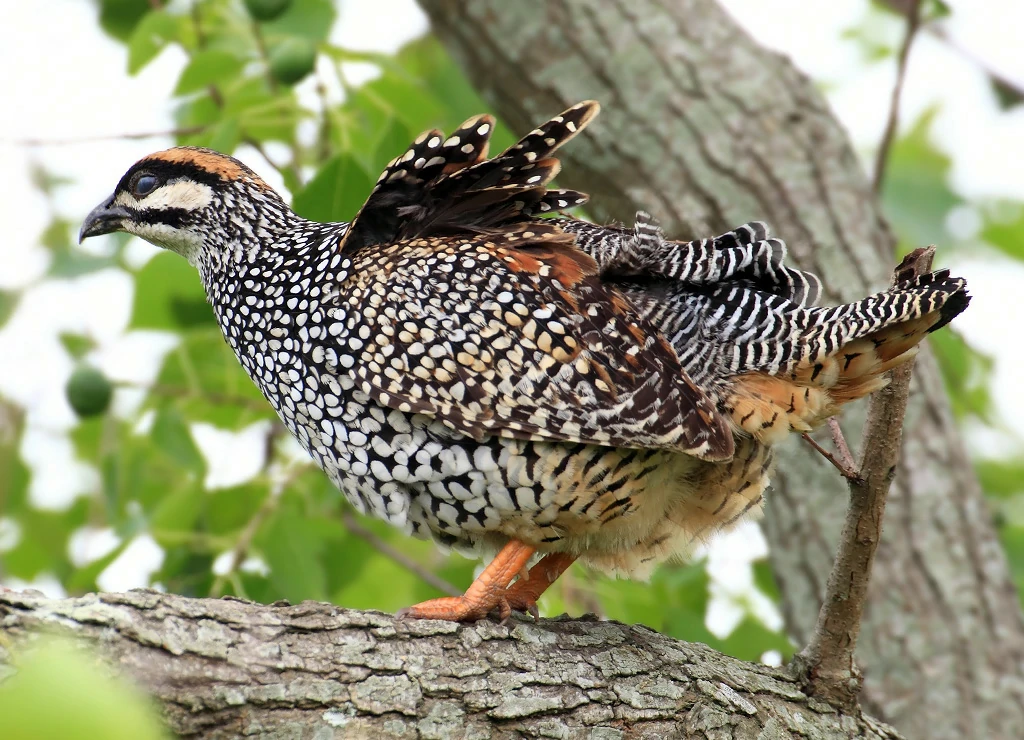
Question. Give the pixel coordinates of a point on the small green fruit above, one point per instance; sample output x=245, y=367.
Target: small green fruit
x=291, y=59
x=89, y=391
x=267, y=10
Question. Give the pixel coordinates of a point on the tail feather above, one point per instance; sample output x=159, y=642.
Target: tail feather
x=744, y=257
x=837, y=355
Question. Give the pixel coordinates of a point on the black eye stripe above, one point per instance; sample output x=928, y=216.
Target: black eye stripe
x=176, y=218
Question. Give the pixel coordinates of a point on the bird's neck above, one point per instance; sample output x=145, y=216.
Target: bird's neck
x=260, y=283
x=245, y=239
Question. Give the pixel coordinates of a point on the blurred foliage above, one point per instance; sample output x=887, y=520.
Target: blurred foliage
x=92, y=705
x=281, y=535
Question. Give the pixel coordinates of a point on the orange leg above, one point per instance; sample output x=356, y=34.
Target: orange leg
x=486, y=593
x=523, y=594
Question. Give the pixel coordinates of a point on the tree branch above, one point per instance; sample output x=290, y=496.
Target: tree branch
x=827, y=662
x=229, y=668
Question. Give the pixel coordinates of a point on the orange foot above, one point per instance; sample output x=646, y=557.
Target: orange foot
x=523, y=594
x=486, y=593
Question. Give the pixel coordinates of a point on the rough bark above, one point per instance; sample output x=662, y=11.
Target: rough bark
x=230, y=668
x=706, y=129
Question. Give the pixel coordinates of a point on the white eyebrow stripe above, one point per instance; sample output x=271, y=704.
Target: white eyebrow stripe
x=181, y=193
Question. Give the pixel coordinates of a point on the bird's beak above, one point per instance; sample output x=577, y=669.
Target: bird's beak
x=104, y=218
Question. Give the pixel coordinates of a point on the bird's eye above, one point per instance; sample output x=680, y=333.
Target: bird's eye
x=145, y=184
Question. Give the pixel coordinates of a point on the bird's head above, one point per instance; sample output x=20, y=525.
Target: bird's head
x=188, y=200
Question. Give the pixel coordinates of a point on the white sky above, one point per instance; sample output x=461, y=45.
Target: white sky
x=64, y=80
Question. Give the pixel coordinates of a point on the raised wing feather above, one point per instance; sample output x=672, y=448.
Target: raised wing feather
x=444, y=184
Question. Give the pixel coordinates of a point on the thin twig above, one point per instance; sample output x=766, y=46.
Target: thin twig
x=882, y=156
x=934, y=27
x=845, y=456
x=1016, y=86
x=71, y=141
x=846, y=469
x=401, y=558
x=827, y=664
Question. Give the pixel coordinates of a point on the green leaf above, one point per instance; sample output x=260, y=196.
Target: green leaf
x=45, y=181
x=764, y=579
x=293, y=556
x=92, y=705
x=1004, y=227
x=262, y=114
x=76, y=345
x=44, y=537
x=172, y=436
x=67, y=259
x=168, y=295
x=83, y=580
x=231, y=509
x=8, y=303
x=309, y=18
x=362, y=577
x=407, y=100
x=204, y=380
x=199, y=112
x=394, y=139
x=751, y=639
x=155, y=31
x=336, y=192
x=118, y=18
x=1008, y=94
x=967, y=373
x=57, y=235
x=937, y=10
x=225, y=136
x=13, y=473
x=178, y=512
x=871, y=49
x=186, y=571
x=431, y=64
x=68, y=263
x=1001, y=478
x=915, y=194
x=208, y=67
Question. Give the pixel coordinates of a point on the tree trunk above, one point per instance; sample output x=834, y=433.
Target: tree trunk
x=230, y=668
x=706, y=130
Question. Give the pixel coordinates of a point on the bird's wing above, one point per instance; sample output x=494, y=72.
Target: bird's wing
x=513, y=333
x=445, y=184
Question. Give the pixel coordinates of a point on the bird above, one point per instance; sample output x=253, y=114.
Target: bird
x=469, y=362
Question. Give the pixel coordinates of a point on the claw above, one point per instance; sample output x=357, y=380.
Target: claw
x=523, y=594
x=487, y=593
x=450, y=608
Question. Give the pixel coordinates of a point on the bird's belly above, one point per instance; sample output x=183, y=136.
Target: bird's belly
x=620, y=510
x=419, y=474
